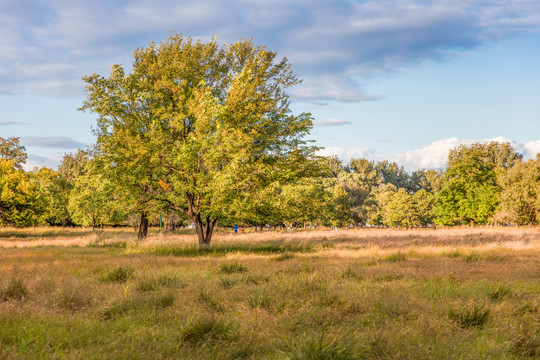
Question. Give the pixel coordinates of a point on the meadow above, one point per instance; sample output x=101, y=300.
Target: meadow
x=348, y=294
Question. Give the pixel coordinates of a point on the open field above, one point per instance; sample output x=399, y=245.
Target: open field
x=350, y=294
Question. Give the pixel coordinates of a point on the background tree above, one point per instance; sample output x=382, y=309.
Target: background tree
x=211, y=124
x=20, y=204
x=392, y=173
x=54, y=192
x=94, y=203
x=470, y=192
x=74, y=165
x=10, y=149
x=401, y=210
x=520, y=195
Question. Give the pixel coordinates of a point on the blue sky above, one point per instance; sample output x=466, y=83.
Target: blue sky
x=402, y=80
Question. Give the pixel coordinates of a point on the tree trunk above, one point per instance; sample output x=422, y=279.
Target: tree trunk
x=204, y=230
x=143, y=226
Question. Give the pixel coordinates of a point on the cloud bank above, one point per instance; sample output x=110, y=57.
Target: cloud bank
x=432, y=156
x=54, y=142
x=333, y=44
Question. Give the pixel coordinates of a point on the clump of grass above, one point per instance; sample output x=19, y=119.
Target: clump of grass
x=321, y=349
x=118, y=275
x=397, y=257
x=160, y=301
x=146, y=285
x=232, y=268
x=472, y=257
x=72, y=298
x=527, y=345
x=15, y=290
x=168, y=280
x=227, y=283
x=349, y=273
x=259, y=300
x=475, y=317
x=501, y=292
x=199, y=330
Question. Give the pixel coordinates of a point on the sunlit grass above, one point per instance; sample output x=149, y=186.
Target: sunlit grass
x=350, y=294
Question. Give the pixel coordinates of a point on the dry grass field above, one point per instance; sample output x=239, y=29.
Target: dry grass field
x=349, y=294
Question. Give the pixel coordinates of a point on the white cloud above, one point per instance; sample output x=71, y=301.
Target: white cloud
x=432, y=156
x=50, y=161
x=331, y=122
x=346, y=154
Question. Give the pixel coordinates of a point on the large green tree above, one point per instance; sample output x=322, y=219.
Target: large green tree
x=199, y=126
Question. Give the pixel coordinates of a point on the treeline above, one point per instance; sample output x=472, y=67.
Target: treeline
x=482, y=183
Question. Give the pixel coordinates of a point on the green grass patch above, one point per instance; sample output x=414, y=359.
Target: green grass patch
x=397, y=257
x=222, y=250
x=232, y=268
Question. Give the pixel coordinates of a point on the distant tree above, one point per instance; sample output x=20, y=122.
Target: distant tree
x=383, y=196
x=307, y=201
x=20, y=204
x=334, y=164
x=94, y=203
x=210, y=124
x=10, y=149
x=359, y=181
x=392, y=173
x=425, y=207
x=54, y=192
x=74, y=165
x=470, y=192
x=401, y=210
x=339, y=207
x=520, y=196
x=429, y=180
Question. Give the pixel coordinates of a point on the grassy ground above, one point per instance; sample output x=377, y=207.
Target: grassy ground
x=351, y=294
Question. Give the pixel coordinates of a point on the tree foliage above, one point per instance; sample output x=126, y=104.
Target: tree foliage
x=20, y=203
x=11, y=149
